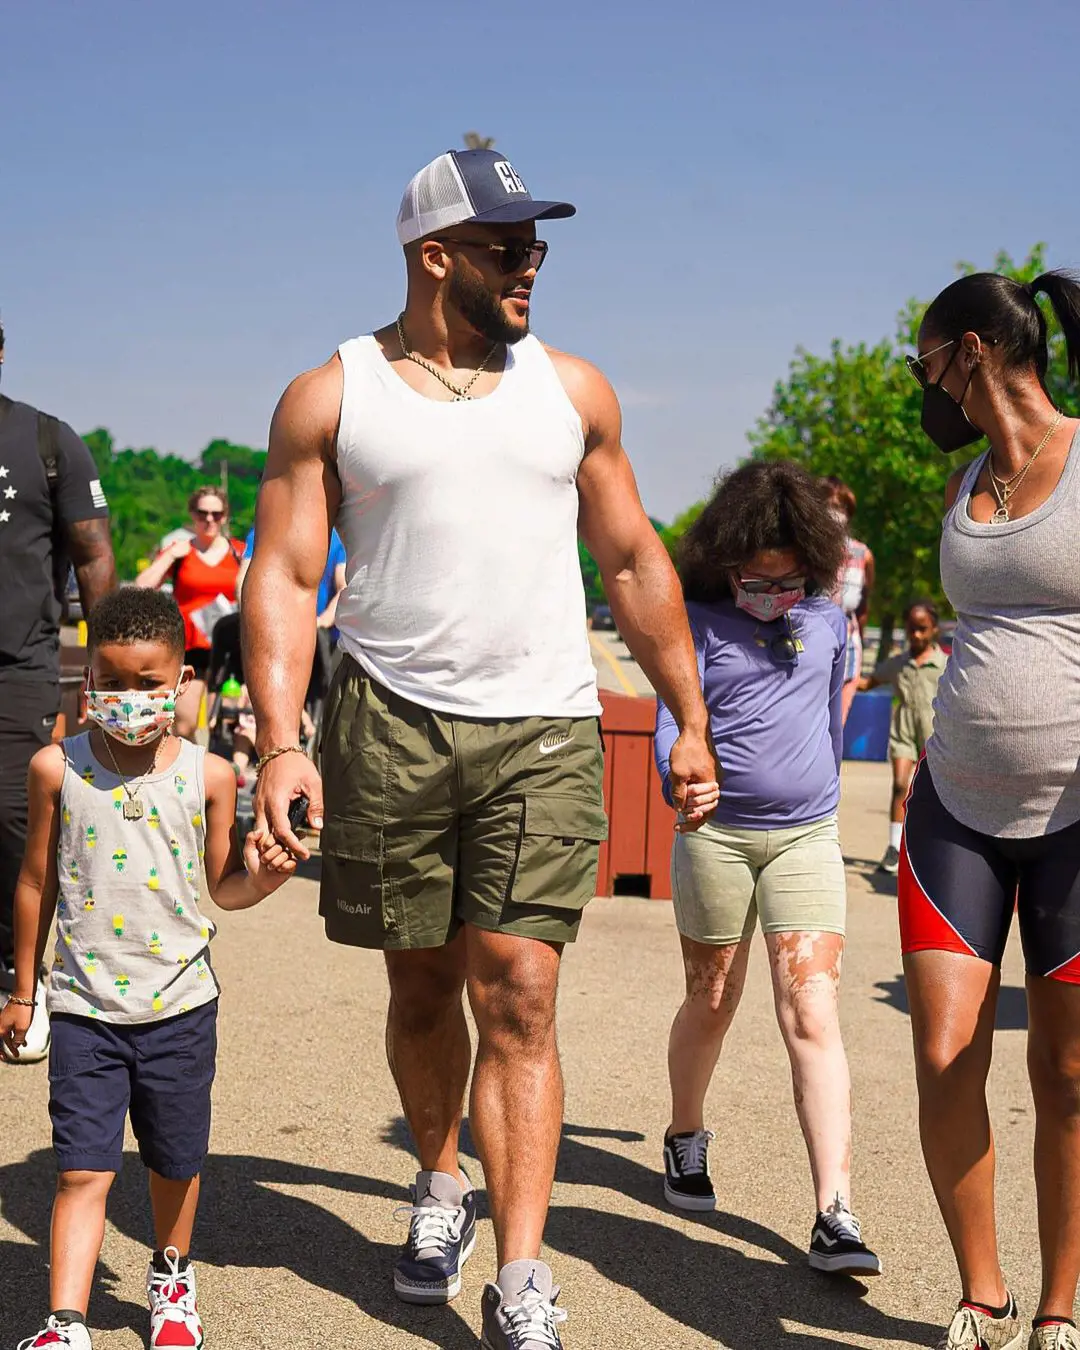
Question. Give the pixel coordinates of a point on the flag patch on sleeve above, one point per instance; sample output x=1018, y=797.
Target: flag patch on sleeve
x=97, y=493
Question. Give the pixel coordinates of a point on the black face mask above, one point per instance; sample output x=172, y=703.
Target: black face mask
x=944, y=419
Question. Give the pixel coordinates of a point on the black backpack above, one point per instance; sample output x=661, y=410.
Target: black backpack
x=48, y=448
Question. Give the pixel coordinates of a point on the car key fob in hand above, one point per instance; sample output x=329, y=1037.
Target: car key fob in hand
x=298, y=809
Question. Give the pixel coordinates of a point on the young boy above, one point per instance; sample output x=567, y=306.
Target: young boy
x=124, y=822
x=914, y=675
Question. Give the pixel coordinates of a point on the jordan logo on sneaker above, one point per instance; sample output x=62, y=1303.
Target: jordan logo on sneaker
x=530, y=1285
x=429, y=1194
x=554, y=740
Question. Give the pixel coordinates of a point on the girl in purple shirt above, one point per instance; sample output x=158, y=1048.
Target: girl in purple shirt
x=756, y=568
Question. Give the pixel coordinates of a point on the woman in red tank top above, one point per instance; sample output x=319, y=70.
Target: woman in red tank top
x=201, y=569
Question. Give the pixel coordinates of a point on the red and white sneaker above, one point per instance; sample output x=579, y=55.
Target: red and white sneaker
x=55, y=1334
x=174, y=1315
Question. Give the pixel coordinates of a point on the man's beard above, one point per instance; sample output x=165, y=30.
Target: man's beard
x=483, y=311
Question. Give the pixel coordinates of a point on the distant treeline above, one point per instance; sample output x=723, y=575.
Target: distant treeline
x=148, y=494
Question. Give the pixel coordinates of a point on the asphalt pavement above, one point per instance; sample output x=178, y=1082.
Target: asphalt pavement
x=297, y=1235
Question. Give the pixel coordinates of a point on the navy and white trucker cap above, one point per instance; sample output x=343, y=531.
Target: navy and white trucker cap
x=469, y=185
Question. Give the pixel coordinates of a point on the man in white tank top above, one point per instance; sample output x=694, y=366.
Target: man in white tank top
x=460, y=459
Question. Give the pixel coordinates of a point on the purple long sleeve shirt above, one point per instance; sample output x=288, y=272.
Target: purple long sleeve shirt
x=778, y=729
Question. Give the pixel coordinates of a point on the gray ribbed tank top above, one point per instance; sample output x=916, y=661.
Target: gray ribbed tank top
x=1005, y=753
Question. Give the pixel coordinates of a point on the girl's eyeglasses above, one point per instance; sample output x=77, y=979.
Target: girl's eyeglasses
x=767, y=585
x=208, y=515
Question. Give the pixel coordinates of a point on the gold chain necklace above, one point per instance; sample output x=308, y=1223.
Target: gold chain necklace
x=1006, y=488
x=133, y=807
x=460, y=391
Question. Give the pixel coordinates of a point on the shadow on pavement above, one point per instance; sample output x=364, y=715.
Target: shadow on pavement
x=737, y=1299
x=243, y=1221
x=26, y=1191
x=740, y=1301
x=1012, y=1014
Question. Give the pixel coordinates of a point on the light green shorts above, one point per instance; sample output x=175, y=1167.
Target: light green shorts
x=724, y=879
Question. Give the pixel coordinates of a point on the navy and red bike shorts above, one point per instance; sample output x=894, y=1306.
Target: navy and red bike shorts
x=958, y=888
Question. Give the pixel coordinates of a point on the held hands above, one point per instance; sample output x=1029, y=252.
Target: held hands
x=280, y=781
x=179, y=548
x=15, y=1022
x=696, y=779
x=268, y=865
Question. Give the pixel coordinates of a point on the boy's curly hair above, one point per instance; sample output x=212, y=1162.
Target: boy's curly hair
x=771, y=504
x=132, y=614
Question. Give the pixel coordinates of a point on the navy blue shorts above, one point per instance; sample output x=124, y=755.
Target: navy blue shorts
x=160, y=1072
x=958, y=889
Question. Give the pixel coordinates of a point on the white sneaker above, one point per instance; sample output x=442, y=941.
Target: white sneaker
x=36, y=1046
x=74, y=1335
x=174, y=1315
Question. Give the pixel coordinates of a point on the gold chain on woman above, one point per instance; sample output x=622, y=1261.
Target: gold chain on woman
x=1006, y=488
x=460, y=391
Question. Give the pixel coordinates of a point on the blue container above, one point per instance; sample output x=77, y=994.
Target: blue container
x=866, y=735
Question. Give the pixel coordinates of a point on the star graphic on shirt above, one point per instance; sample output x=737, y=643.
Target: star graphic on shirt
x=10, y=492
x=5, y=516
x=3, y=471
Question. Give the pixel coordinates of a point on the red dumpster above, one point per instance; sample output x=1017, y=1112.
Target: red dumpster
x=636, y=860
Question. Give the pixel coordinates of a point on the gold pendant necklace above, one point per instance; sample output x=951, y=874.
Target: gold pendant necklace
x=460, y=391
x=133, y=806
x=1005, y=488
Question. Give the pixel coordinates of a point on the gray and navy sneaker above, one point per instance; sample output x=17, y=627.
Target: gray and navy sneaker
x=442, y=1234
x=837, y=1246
x=519, y=1311
x=890, y=863
x=686, y=1170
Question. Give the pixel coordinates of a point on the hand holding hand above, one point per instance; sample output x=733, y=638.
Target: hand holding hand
x=280, y=781
x=696, y=779
x=268, y=864
x=179, y=548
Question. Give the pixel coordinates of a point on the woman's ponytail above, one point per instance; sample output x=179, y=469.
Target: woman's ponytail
x=1062, y=289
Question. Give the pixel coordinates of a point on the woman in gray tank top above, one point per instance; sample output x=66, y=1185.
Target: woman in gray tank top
x=993, y=819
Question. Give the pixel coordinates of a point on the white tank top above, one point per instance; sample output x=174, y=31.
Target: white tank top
x=463, y=587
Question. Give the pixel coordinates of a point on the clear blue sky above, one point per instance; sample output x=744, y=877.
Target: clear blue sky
x=198, y=201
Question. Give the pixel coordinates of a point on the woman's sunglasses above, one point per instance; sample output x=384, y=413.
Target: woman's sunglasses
x=208, y=515
x=514, y=254
x=917, y=370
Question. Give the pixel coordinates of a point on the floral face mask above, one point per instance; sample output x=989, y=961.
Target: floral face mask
x=133, y=716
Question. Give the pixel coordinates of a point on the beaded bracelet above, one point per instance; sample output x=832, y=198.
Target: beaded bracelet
x=22, y=1002
x=273, y=754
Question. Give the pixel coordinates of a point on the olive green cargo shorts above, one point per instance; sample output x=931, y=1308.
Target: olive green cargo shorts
x=434, y=821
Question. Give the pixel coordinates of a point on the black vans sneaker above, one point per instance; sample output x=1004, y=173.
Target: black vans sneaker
x=686, y=1170
x=836, y=1245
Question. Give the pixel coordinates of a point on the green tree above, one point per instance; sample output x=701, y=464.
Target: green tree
x=855, y=413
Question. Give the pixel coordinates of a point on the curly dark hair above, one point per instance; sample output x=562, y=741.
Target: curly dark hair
x=132, y=614
x=763, y=505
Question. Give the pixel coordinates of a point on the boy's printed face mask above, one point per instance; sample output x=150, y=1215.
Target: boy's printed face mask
x=133, y=716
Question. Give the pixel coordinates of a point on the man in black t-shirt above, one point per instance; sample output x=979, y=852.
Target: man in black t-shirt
x=45, y=508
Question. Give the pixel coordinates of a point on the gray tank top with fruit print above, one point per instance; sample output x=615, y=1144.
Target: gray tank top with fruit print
x=131, y=944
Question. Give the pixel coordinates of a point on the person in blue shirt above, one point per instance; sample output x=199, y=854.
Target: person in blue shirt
x=756, y=568
x=330, y=587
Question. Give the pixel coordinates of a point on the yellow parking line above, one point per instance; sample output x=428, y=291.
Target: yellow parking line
x=605, y=651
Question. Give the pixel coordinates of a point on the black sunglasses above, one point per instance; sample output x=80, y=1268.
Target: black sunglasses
x=208, y=515
x=513, y=254
x=916, y=367
x=785, y=647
